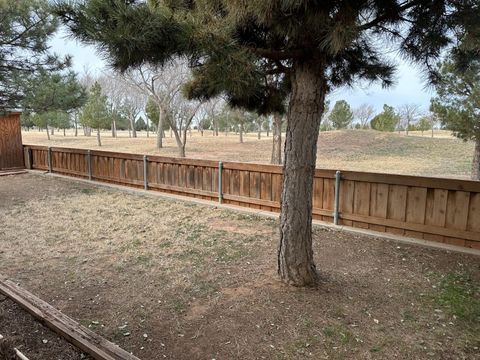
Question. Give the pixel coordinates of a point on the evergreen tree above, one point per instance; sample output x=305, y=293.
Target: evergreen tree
x=53, y=93
x=95, y=112
x=60, y=120
x=140, y=124
x=387, y=120
x=424, y=124
x=235, y=48
x=458, y=104
x=25, y=27
x=26, y=120
x=341, y=115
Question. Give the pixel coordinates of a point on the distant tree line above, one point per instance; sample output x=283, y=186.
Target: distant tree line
x=405, y=118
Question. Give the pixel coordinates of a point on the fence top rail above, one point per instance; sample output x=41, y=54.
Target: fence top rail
x=118, y=155
x=69, y=150
x=36, y=147
x=182, y=161
x=267, y=168
x=411, y=180
x=381, y=178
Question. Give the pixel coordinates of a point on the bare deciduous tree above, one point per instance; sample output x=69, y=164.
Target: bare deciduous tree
x=162, y=85
x=409, y=114
x=180, y=118
x=364, y=113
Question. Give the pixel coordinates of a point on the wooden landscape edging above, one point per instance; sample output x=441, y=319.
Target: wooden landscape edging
x=85, y=339
x=435, y=209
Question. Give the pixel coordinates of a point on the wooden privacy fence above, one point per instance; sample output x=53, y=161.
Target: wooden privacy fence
x=438, y=209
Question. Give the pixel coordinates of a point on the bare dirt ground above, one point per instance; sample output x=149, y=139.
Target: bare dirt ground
x=21, y=331
x=177, y=280
x=360, y=150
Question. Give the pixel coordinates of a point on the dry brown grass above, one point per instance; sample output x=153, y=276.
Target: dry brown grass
x=199, y=281
x=360, y=150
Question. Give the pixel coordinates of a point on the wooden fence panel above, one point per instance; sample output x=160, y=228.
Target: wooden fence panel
x=378, y=204
x=39, y=157
x=443, y=210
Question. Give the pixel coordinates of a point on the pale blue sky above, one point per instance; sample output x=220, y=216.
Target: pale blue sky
x=409, y=87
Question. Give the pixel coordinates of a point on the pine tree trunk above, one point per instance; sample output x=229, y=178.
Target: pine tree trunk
x=48, y=134
x=277, y=139
x=476, y=161
x=98, y=137
x=241, y=133
x=295, y=253
x=64, y=132
x=52, y=130
x=259, y=133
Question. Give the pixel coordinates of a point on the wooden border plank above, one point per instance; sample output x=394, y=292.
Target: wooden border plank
x=85, y=339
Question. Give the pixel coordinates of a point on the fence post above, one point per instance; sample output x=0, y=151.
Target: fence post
x=89, y=164
x=145, y=180
x=30, y=157
x=338, y=175
x=27, y=157
x=49, y=159
x=220, y=194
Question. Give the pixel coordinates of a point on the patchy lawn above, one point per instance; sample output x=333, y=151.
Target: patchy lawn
x=176, y=280
x=359, y=150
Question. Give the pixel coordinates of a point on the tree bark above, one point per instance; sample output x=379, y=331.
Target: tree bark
x=132, y=125
x=160, y=129
x=98, y=137
x=277, y=139
x=241, y=133
x=48, y=134
x=114, y=128
x=295, y=253
x=180, y=143
x=476, y=161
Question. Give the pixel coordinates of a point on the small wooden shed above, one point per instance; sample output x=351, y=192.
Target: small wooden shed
x=11, y=149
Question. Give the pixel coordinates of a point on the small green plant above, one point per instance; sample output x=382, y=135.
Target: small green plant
x=461, y=296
